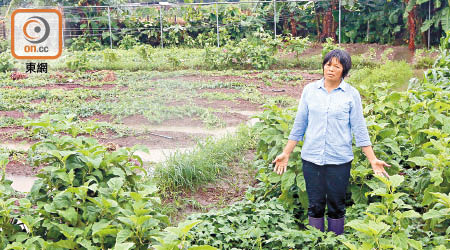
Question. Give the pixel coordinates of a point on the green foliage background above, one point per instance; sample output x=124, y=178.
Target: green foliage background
x=371, y=21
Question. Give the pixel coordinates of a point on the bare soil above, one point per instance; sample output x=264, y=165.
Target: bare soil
x=71, y=86
x=21, y=168
x=141, y=120
x=231, y=119
x=18, y=114
x=12, y=114
x=154, y=139
x=237, y=104
x=99, y=118
x=9, y=135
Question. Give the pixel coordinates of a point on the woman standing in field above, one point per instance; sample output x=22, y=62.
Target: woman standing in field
x=329, y=112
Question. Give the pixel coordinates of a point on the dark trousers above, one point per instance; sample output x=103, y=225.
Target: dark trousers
x=326, y=184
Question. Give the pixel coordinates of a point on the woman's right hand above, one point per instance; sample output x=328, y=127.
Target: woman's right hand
x=281, y=162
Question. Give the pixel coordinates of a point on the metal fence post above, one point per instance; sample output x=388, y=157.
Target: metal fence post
x=339, y=22
x=109, y=22
x=217, y=25
x=160, y=22
x=275, y=18
x=429, y=17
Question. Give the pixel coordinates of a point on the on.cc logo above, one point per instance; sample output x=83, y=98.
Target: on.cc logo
x=36, y=33
x=42, y=24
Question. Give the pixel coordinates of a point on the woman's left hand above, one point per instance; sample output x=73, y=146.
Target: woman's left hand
x=378, y=167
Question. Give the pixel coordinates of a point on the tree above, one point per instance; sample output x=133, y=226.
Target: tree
x=411, y=12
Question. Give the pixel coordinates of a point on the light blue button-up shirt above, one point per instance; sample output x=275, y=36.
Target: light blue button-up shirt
x=326, y=121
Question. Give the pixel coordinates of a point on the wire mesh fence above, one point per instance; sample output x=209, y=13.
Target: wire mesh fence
x=162, y=23
x=192, y=24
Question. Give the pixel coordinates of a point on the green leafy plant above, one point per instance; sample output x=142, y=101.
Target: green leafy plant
x=145, y=52
x=6, y=62
x=86, y=196
x=274, y=128
x=109, y=56
x=5, y=45
x=128, y=42
x=387, y=223
x=84, y=43
x=439, y=215
x=174, y=60
x=51, y=124
x=244, y=225
x=328, y=46
x=257, y=53
x=175, y=238
x=297, y=44
x=79, y=61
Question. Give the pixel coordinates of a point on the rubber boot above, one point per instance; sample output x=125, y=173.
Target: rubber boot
x=316, y=222
x=336, y=225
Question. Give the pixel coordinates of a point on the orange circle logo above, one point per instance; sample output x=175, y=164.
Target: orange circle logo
x=39, y=29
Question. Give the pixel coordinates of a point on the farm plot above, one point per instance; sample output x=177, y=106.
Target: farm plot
x=102, y=194
x=163, y=111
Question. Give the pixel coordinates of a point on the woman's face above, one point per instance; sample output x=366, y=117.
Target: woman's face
x=332, y=70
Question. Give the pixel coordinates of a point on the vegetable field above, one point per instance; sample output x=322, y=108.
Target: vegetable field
x=171, y=148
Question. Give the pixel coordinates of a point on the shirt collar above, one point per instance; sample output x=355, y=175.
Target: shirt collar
x=343, y=85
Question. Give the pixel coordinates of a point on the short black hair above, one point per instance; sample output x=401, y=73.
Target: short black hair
x=342, y=56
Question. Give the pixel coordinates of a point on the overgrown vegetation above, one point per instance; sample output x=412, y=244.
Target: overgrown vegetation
x=257, y=52
x=408, y=211
x=392, y=73
x=87, y=196
x=207, y=161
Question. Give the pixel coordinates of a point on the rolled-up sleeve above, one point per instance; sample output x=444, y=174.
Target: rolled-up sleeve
x=301, y=119
x=358, y=123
